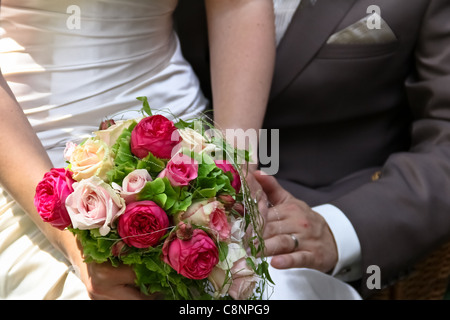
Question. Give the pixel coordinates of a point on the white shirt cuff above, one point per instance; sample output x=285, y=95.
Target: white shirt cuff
x=348, y=267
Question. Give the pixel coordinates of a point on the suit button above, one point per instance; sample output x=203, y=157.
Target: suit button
x=376, y=176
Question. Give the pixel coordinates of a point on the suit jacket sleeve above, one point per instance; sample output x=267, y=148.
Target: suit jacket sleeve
x=406, y=213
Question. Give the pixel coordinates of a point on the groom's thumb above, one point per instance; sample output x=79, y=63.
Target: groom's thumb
x=274, y=191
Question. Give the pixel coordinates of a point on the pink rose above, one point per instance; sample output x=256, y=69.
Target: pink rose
x=50, y=198
x=219, y=223
x=209, y=213
x=133, y=183
x=193, y=258
x=69, y=149
x=228, y=167
x=243, y=280
x=154, y=134
x=180, y=170
x=94, y=204
x=142, y=224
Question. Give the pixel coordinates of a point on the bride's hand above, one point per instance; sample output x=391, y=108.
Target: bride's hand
x=105, y=282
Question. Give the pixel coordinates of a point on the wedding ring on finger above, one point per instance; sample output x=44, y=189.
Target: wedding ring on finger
x=295, y=242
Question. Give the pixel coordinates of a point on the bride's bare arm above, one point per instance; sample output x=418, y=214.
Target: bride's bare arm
x=23, y=162
x=242, y=50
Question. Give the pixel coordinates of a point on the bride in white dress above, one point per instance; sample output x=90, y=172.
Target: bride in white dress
x=68, y=70
x=70, y=64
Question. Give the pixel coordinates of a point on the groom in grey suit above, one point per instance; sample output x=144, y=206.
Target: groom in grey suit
x=361, y=96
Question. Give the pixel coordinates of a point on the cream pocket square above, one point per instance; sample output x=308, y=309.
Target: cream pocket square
x=364, y=32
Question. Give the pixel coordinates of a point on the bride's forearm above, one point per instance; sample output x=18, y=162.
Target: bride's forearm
x=242, y=50
x=23, y=163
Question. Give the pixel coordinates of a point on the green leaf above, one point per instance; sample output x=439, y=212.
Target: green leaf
x=124, y=161
x=145, y=106
x=181, y=124
x=263, y=270
x=157, y=186
x=171, y=199
x=223, y=251
x=96, y=248
x=152, y=191
x=250, y=263
x=152, y=164
x=160, y=200
x=204, y=193
x=178, y=198
x=211, y=181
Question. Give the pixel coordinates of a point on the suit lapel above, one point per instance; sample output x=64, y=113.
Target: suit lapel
x=311, y=26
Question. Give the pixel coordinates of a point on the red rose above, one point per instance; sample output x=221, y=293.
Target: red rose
x=155, y=134
x=50, y=198
x=142, y=224
x=226, y=166
x=193, y=258
x=180, y=170
x=106, y=124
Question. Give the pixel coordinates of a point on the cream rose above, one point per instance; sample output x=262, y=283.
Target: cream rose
x=94, y=204
x=110, y=135
x=209, y=213
x=220, y=281
x=92, y=158
x=194, y=141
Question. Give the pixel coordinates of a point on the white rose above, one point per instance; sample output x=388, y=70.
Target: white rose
x=237, y=229
x=194, y=141
x=110, y=135
x=235, y=252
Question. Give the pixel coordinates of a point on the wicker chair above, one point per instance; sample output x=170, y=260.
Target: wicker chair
x=428, y=281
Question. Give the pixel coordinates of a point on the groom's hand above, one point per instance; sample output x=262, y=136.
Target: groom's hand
x=289, y=219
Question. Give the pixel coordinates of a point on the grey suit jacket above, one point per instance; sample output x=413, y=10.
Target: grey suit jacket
x=348, y=111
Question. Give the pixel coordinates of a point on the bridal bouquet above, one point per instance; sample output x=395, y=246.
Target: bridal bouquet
x=165, y=198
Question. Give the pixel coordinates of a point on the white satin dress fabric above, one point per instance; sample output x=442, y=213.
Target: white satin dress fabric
x=68, y=77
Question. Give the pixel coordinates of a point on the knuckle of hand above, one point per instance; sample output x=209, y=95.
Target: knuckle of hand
x=269, y=229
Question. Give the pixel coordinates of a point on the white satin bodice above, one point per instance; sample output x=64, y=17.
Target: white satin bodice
x=69, y=76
